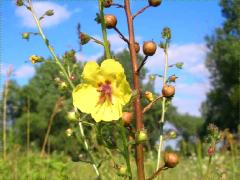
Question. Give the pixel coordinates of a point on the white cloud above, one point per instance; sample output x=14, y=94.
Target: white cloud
x=192, y=55
x=24, y=71
x=60, y=14
x=83, y=58
x=193, y=83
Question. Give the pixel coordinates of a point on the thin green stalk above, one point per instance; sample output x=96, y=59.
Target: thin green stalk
x=37, y=21
x=104, y=32
x=50, y=48
x=5, y=119
x=208, y=168
x=5, y=97
x=125, y=150
x=28, y=137
x=88, y=151
x=163, y=108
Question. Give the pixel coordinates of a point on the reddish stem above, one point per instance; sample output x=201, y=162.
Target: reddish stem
x=136, y=85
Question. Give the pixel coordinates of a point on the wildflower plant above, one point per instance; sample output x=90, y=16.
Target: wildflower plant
x=105, y=94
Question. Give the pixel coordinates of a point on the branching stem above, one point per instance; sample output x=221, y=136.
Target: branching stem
x=163, y=108
x=140, y=11
x=121, y=35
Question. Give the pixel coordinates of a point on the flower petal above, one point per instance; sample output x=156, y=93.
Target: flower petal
x=91, y=72
x=111, y=67
x=107, y=112
x=122, y=91
x=85, y=97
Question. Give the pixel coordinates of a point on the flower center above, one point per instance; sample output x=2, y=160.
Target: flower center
x=105, y=90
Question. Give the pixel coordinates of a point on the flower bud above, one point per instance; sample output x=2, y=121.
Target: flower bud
x=35, y=59
x=172, y=78
x=72, y=77
x=122, y=171
x=137, y=47
x=107, y=3
x=171, y=159
x=127, y=118
x=211, y=150
x=63, y=86
x=172, y=134
x=166, y=33
x=179, y=65
x=84, y=38
x=149, y=95
x=57, y=80
x=69, y=132
x=19, y=3
x=26, y=35
x=141, y=136
x=71, y=116
x=152, y=77
x=49, y=12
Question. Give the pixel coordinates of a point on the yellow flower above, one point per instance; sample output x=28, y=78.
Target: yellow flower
x=35, y=59
x=149, y=95
x=104, y=90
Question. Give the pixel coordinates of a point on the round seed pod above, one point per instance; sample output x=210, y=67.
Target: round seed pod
x=149, y=48
x=110, y=20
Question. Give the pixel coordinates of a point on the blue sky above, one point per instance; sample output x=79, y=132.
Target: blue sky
x=189, y=20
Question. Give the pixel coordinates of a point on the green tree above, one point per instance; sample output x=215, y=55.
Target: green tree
x=222, y=104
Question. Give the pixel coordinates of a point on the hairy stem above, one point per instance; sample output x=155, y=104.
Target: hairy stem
x=86, y=147
x=58, y=63
x=163, y=108
x=104, y=32
x=136, y=86
x=50, y=48
x=126, y=152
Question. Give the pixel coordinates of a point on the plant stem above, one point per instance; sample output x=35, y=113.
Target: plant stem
x=104, y=32
x=208, y=168
x=88, y=150
x=55, y=111
x=141, y=11
x=5, y=97
x=28, y=137
x=125, y=151
x=61, y=67
x=50, y=48
x=163, y=108
x=136, y=86
x=121, y=35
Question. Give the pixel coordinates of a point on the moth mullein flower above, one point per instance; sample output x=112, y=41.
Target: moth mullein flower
x=35, y=59
x=104, y=90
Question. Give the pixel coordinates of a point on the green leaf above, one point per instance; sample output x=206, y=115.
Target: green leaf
x=179, y=65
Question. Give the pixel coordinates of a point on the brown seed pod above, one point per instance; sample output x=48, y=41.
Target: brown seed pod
x=127, y=118
x=110, y=20
x=168, y=91
x=171, y=159
x=107, y=3
x=154, y=3
x=149, y=48
x=137, y=47
x=173, y=78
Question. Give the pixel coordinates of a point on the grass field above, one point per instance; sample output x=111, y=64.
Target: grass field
x=22, y=166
